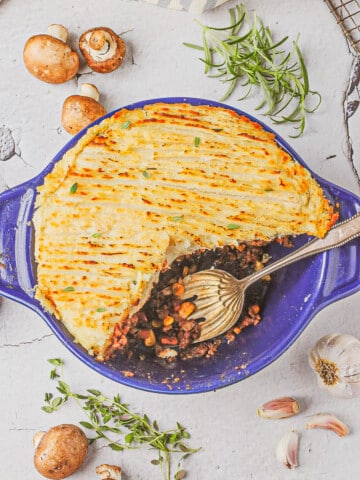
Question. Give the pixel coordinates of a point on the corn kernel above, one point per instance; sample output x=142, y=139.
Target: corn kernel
x=186, y=309
x=178, y=289
x=150, y=340
x=168, y=321
x=254, y=310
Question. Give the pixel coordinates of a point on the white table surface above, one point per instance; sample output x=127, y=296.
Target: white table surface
x=235, y=442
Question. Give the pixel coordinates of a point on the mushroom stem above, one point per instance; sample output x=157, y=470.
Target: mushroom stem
x=58, y=31
x=108, y=472
x=89, y=90
x=97, y=41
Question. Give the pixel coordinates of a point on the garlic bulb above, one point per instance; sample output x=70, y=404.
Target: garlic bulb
x=336, y=360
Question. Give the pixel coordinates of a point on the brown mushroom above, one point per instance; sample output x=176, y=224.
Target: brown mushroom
x=108, y=472
x=80, y=110
x=103, y=50
x=49, y=58
x=61, y=451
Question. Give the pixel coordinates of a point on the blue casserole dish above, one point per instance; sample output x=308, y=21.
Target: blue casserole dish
x=295, y=294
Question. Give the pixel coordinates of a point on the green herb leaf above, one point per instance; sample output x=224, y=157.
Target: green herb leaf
x=47, y=409
x=87, y=425
x=116, y=447
x=125, y=125
x=146, y=174
x=63, y=387
x=107, y=417
x=94, y=392
x=232, y=226
x=197, y=141
x=129, y=438
x=56, y=402
x=97, y=234
x=244, y=52
x=101, y=309
x=54, y=374
x=48, y=397
x=57, y=362
x=191, y=45
x=177, y=218
x=68, y=289
x=73, y=188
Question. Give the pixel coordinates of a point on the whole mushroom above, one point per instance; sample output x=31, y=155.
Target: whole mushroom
x=80, y=110
x=60, y=451
x=103, y=50
x=48, y=57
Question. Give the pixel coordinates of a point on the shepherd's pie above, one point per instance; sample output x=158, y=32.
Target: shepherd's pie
x=147, y=185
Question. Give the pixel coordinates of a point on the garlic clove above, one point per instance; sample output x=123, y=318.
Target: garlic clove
x=283, y=407
x=336, y=360
x=328, y=421
x=287, y=450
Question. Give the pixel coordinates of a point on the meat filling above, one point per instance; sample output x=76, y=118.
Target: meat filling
x=163, y=327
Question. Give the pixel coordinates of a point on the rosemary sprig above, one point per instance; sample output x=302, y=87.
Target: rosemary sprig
x=246, y=52
x=109, y=419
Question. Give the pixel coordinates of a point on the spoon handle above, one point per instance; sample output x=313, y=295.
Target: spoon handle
x=337, y=236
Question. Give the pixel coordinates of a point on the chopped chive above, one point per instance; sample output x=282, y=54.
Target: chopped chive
x=96, y=235
x=177, y=218
x=68, y=289
x=146, y=174
x=197, y=141
x=268, y=189
x=101, y=309
x=73, y=188
x=232, y=226
x=125, y=125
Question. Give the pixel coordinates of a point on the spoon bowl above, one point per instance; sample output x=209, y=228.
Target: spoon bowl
x=219, y=297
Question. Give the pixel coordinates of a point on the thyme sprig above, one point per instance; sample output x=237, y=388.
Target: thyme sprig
x=113, y=421
x=246, y=52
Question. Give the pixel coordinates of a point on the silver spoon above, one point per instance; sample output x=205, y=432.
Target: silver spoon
x=219, y=297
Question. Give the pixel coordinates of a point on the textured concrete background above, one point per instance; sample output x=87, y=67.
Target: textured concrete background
x=235, y=442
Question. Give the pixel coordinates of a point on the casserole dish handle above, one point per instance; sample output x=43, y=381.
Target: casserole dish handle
x=341, y=275
x=16, y=278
